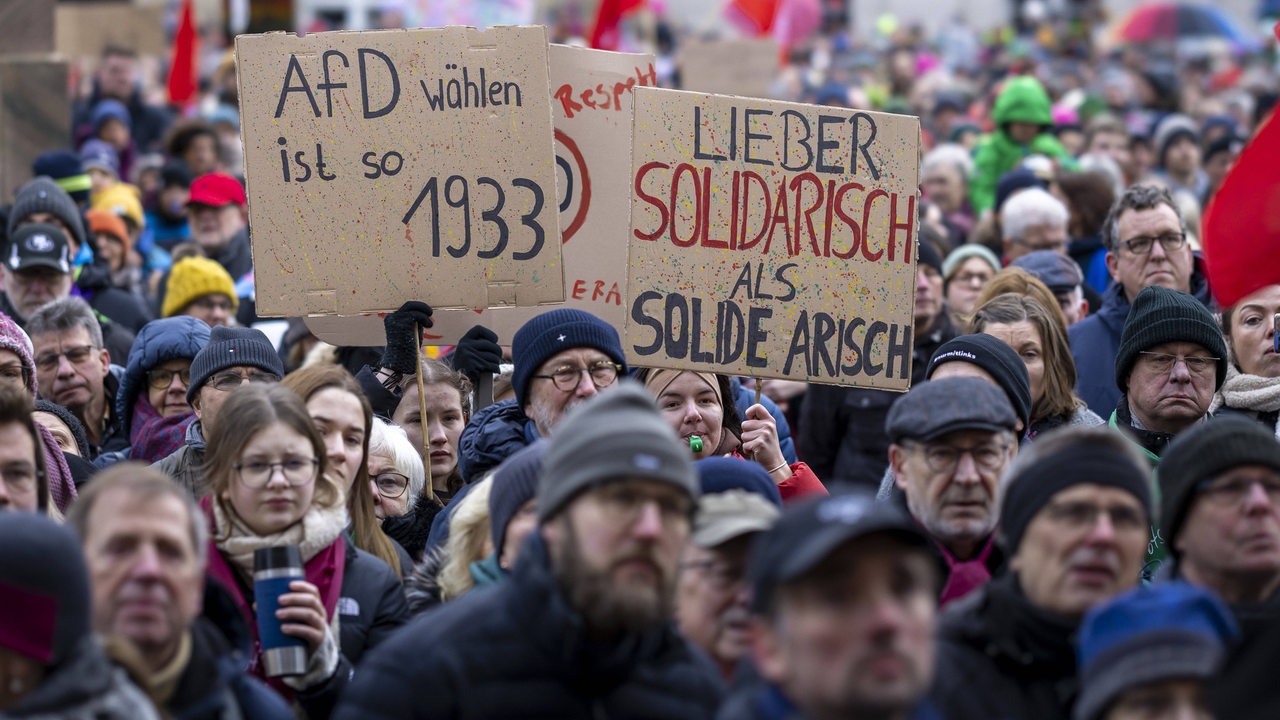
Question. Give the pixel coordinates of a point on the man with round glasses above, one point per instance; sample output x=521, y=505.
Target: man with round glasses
x=76, y=370
x=951, y=441
x=1220, y=512
x=561, y=358
x=234, y=356
x=1146, y=245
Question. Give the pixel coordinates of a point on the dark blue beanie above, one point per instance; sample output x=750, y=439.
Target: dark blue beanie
x=1165, y=631
x=718, y=474
x=67, y=170
x=550, y=333
x=999, y=360
x=515, y=483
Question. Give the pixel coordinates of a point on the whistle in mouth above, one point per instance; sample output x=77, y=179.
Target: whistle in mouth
x=695, y=443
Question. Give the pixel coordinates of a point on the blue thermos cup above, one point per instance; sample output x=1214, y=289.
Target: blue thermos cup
x=273, y=569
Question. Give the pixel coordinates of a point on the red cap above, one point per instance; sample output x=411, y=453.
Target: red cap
x=216, y=190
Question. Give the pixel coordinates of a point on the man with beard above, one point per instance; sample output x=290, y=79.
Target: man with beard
x=952, y=439
x=844, y=608
x=1074, y=515
x=582, y=628
x=1220, y=511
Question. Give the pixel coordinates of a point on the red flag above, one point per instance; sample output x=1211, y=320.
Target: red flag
x=183, y=81
x=1241, y=226
x=604, y=34
x=753, y=16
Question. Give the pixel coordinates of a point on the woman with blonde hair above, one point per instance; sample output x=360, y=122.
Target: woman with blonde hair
x=447, y=573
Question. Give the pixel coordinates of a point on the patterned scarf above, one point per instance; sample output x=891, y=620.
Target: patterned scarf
x=152, y=437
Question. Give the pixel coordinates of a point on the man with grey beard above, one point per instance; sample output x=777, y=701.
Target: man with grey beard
x=583, y=626
x=561, y=358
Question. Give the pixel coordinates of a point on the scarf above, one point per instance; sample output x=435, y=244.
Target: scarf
x=62, y=486
x=965, y=576
x=1248, y=392
x=153, y=438
x=318, y=536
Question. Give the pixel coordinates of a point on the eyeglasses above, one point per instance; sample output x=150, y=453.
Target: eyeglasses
x=15, y=373
x=391, y=484
x=721, y=575
x=1163, y=362
x=212, y=302
x=161, y=379
x=256, y=474
x=230, y=380
x=624, y=503
x=566, y=377
x=1142, y=245
x=48, y=362
x=970, y=278
x=1233, y=491
x=1078, y=516
x=945, y=458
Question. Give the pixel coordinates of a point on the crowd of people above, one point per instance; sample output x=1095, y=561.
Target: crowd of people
x=1074, y=512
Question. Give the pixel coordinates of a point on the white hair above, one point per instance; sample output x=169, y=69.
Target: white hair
x=948, y=154
x=1030, y=208
x=391, y=441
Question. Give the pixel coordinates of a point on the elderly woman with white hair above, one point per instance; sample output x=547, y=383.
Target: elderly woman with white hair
x=944, y=181
x=398, y=479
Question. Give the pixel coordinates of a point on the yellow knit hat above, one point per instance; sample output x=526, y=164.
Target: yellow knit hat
x=121, y=199
x=192, y=278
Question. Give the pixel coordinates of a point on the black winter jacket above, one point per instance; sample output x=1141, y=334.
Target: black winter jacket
x=1000, y=658
x=517, y=649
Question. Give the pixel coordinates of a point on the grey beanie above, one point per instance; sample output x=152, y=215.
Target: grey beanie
x=616, y=434
x=1160, y=315
x=230, y=347
x=43, y=195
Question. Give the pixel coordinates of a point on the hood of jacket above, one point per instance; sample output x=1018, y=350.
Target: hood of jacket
x=1023, y=99
x=493, y=435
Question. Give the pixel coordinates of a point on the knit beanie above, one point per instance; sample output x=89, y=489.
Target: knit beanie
x=230, y=347
x=957, y=257
x=95, y=153
x=67, y=170
x=72, y=422
x=109, y=109
x=1030, y=487
x=927, y=254
x=15, y=340
x=616, y=434
x=45, y=588
x=515, y=483
x=1160, y=315
x=717, y=474
x=553, y=332
x=107, y=222
x=1166, y=631
x=1203, y=452
x=43, y=195
x=1171, y=128
x=191, y=279
x=123, y=200
x=999, y=361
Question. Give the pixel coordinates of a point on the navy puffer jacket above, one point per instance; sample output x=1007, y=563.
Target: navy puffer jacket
x=157, y=343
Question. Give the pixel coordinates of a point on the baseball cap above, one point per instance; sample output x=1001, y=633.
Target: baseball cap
x=39, y=245
x=1057, y=271
x=726, y=515
x=808, y=532
x=216, y=190
x=937, y=407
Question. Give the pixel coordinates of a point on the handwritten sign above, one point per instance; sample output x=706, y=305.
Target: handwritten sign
x=397, y=164
x=772, y=239
x=591, y=111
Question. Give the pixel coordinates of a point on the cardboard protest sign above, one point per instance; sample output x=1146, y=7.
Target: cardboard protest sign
x=729, y=66
x=84, y=29
x=772, y=239
x=399, y=164
x=591, y=112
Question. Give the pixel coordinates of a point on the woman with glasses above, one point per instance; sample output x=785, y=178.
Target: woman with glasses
x=343, y=416
x=700, y=408
x=152, y=400
x=271, y=484
x=397, y=480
